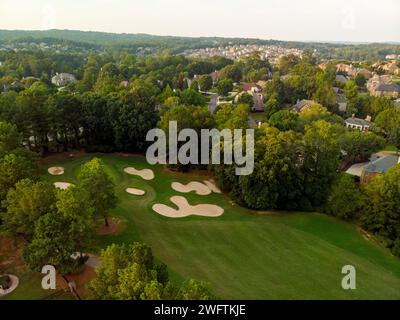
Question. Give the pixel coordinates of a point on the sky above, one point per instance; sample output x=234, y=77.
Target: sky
x=300, y=20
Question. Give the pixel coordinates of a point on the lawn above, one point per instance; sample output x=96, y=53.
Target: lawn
x=244, y=254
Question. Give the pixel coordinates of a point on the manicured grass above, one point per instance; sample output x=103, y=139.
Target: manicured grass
x=245, y=255
x=30, y=288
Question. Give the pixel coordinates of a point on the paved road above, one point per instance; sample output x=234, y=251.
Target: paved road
x=213, y=103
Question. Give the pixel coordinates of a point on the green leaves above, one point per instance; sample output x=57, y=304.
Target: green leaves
x=25, y=205
x=100, y=188
x=128, y=272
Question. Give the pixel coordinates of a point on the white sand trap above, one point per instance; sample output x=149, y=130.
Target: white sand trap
x=56, y=171
x=185, y=209
x=62, y=185
x=146, y=174
x=212, y=186
x=200, y=188
x=14, y=285
x=136, y=192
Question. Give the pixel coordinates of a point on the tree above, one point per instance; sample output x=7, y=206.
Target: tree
x=224, y=87
x=94, y=179
x=358, y=146
x=98, y=128
x=195, y=290
x=246, y=98
x=351, y=94
x=67, y=119
x=206, y=83
x=10, y=138
x=134, y=114
x=388, y=123
x=320, y=163
x=25, y=205
x=285, y=120
x=128, y=272
x=15, y=167
x=287, y=62
x=381, y=208
x=276, y=173
x=192, y=97
x=88, y=80
x=272, y=105
x=108, y=78
x=379, y=104
x=360, y=80
x=324, y=93
x=194, y=85
x=317, y=112
x=36, y=122
x=232, y=72
x=275, y=88
x=63, y=231
x=345, y=199
x=232, y=117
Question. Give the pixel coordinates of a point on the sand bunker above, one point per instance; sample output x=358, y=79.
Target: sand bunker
x=56, y=171
x=146, y=174
x=185, y=209
x=198, y=187
x=213, y=187
x=136, y=192
x=62, y=185
x=14, y=285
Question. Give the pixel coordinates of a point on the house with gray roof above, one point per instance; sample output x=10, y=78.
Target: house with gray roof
x=358, y=124
x=341, y=78
x=301, y=105
x=390, y=90
x=378, y=166
x=62, y=79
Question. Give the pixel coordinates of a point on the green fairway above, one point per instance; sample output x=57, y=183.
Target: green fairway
x=242, y=254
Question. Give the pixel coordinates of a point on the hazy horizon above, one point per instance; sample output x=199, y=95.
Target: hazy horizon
x=354, y=21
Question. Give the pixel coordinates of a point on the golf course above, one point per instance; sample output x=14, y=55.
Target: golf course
x=242, y=254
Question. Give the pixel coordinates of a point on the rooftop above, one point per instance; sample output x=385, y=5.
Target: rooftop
x=382, y=165
x=358, y=122
x=388, y=87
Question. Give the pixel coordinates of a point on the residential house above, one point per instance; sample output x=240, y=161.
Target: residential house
x=351, y=71
x=365, y=73
x=378, y=166
x=215, y=76
x=390, y=90
x=392, y=68
x=301, y=105
x=255, y=91
x=358, y=124
x=342, y=102
x=392, y=57
x=341, y=78
x=62, y=79
x=377, y=80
